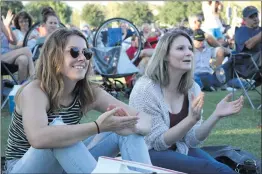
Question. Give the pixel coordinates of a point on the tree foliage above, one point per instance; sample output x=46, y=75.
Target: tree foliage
x=137, y=12
x=174, y=12
x=76, y=18
x=93, y=15
x=238, y=7
x=63, y=11
x=110, y=10
x=14, y=6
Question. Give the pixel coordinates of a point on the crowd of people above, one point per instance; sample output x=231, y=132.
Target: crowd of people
x=162, y=125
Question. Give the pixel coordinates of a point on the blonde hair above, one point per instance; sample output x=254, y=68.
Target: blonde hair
x=157, y=68
x=49, y=67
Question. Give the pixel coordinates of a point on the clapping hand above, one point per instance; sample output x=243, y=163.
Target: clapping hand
x=122, y=113
x=196, y=107
x=117, y=120
x=225, y=107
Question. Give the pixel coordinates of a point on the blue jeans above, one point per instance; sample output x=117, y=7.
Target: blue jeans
x=77, y=158
x=197, y=161
x=198, y=81
x=208, y=80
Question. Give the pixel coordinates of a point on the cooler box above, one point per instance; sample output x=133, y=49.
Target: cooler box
x=116, y=165
x=12, y=98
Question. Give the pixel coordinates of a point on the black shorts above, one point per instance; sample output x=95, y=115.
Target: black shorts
x=11, y=67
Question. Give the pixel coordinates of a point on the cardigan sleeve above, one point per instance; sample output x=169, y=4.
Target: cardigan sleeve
x=190, y=138
x=144, y=98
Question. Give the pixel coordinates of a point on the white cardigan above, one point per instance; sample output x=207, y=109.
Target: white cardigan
x=147, y=96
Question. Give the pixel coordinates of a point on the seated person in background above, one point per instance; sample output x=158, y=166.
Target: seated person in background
x=150, y=36
x=126, y=32
x=203, y=70
x=50, y=22
x=168, y=93
x=150, y=39
x=45, y=135
x=248, y=37
x=219, y=52
x=23, y=21
x=22, y=57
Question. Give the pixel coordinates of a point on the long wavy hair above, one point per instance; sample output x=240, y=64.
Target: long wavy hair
x=49, y=66
x=157, y=68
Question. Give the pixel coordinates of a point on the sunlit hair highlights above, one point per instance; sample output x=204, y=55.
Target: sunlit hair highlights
x=157, y=68
x=49, y=67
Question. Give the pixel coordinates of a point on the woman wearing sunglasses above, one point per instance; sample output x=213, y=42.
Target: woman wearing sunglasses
x=45, y=135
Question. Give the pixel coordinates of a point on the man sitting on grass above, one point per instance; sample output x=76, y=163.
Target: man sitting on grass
x=203, y=55
x=218, y=50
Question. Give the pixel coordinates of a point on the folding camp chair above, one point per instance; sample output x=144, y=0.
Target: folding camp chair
x=248, y=67
x=245, y=65
x=7, y=69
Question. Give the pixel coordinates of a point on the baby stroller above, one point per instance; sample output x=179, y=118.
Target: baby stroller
x=110, y=42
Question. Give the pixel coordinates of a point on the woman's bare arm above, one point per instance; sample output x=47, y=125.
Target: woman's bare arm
x=35, y=121
x=104, y=100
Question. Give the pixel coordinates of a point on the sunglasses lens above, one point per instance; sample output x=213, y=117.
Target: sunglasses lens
x=74, y=52
x=87, y=54
x=253, y=16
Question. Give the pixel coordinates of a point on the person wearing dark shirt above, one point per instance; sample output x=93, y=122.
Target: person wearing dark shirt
x=248, y=37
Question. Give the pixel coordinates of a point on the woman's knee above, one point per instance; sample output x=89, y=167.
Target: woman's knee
x=220, y=52
x=134, y=138
x=22, y=61
x=26, y=51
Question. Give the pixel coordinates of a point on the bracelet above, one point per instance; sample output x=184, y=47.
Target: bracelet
x=98, y=130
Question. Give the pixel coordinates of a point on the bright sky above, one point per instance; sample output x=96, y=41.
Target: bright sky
x=80, y=4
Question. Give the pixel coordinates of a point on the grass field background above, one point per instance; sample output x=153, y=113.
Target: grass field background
x=240, y=130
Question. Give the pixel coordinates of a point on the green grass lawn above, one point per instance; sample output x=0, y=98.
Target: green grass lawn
x=240, y=130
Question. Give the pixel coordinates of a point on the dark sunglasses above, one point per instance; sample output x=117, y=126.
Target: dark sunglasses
x=199, y=20
x=75, y=52
x=253, y=16
x=24, y=21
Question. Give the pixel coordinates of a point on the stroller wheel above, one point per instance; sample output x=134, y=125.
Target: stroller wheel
x=110, y=34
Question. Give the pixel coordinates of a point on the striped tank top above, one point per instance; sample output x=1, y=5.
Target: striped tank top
x=17, y=143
